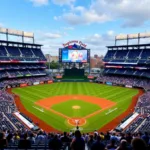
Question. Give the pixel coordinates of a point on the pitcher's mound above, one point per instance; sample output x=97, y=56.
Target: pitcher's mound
x=77, y=121
x=76, y=107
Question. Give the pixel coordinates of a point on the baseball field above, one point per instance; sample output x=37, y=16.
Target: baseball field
x=65, y=105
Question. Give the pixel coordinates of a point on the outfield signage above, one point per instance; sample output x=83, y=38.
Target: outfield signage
x=23, y=85
x=49, y=82
x=90, y=77
x=73, y=42
x=36, y=83
x=59, y=77
x=109, y=83
x=128, y=86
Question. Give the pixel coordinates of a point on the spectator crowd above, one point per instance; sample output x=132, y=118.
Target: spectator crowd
x=74, y=140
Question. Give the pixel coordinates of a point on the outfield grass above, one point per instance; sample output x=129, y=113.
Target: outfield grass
x=122, y=96
x=66, y=108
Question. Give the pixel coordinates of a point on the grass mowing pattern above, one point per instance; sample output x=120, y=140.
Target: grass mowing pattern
x=121, y=95
x=66, y=108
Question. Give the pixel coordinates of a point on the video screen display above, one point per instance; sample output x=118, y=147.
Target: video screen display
x=79, y=56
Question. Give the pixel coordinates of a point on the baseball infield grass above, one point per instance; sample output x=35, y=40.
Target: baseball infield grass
x=75, y=108
x=32, y=94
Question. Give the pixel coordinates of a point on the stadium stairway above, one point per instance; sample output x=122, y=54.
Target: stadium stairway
x=9, y=121
x=140, y=125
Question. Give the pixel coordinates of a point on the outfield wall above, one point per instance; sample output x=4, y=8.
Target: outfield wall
x=28, y=84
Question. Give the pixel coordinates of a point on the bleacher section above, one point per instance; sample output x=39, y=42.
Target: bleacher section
x=21, y=60
x=129, y=66
x=132, y=60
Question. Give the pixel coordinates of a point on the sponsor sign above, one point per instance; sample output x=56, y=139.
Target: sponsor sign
x=109, y=83
x=23, y=85
x=36, y=83
x=73, y=42
x=49, y=82
x=128, y=86
x=59, y=77
x=90, y=77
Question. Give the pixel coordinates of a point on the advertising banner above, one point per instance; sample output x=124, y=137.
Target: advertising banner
x=59, y=77
x=36, y=83
x=49, y=82
x=109, y=83
x=90, y=77
x=41, y=82
x=29, y=83
x=128, y=86
x=23, y=85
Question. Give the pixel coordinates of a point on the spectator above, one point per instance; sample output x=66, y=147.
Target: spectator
x=55, y=143
x=138, y=144
x=123, y=145
x=114, y=137
x=31, y=138
x=3, y=141
x=90, y=142
x=24, y=143
x=65, y=140
x=146, y=138
x=78, y=142
x=112, y=145
x=98, y=145
x=129, y=138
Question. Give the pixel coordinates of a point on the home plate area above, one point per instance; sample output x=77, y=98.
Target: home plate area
x=77, y=121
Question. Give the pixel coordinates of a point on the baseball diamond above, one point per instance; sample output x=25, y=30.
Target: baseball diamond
x=75, y=103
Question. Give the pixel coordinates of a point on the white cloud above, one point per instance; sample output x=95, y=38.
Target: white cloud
x=52, y=41
x=48, y=35
x=68, y=28
x=132, y=13
x=39, y=2
x=1, y=24
x=110, y=32
x=81, y=15
x=63, y=2
x=53, y=35
x=97, y=42
x=55, y=18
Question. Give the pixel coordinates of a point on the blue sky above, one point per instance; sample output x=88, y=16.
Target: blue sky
x=94, y=22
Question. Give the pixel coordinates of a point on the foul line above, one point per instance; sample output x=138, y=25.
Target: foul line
x=38, y=109
x=88, y=116
x=97, y=112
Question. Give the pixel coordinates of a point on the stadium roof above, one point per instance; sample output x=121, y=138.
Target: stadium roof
x=134, y=45
x=18, y=43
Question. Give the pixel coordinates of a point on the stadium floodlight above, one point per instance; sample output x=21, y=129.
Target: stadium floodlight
x=121, y=37
x=145, y=35
x=132, y=36
x=28, y=34
x=17, y=33
x=14, y=32
x=3, y=30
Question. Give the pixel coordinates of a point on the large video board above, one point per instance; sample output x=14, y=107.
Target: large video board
x=74, y=56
